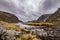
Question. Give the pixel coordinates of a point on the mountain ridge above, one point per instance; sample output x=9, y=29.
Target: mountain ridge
x=8, y=17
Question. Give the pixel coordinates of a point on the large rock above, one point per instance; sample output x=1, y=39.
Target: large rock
x=6, y=34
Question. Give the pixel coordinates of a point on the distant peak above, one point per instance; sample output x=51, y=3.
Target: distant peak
x=58, y=9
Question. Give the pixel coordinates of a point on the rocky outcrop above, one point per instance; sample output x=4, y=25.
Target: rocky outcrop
x=7, y=34
x=47, y=33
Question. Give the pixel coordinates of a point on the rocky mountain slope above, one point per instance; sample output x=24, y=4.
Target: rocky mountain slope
x=43, y=18
x=7, y=17
x=55, y=18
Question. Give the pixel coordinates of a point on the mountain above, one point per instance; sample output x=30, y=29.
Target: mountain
x=50, y=17
x=7, y=17
x=55, y=17
x=43, y=18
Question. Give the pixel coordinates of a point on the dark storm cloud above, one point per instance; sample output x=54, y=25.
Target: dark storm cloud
x=28, y=10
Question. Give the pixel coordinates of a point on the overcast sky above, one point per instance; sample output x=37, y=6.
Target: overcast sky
x=27, y=10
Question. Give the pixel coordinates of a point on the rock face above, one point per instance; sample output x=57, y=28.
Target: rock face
x=55, y=17
x=7, y=17
x=43, y=18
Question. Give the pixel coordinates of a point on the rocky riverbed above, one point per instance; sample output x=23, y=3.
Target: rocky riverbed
x=47, y=33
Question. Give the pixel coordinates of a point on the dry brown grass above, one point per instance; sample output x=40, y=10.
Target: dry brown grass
x=9, y=25
x=29, y=37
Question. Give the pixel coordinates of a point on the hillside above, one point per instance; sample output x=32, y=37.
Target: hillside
x=43, y=18
x=7, y=17
x=55, y=18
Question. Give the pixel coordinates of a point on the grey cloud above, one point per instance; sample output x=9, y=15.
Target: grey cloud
x=51, y=5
